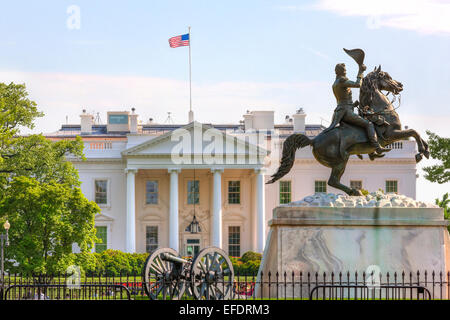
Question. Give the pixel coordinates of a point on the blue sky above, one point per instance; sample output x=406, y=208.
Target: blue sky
x=251, y=54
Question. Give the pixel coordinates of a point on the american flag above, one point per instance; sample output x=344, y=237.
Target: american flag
x=179, y=41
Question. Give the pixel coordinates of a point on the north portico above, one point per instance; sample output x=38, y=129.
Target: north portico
x=224, y=190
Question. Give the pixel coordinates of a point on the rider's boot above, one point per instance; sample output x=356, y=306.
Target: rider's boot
x=379, y=149
x=373, y=139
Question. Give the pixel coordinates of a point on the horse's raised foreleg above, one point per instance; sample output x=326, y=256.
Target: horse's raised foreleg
x=403, y=134
x=426, y=153
x=335, y=180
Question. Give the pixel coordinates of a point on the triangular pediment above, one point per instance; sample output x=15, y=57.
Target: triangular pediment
x=196, y=139
x=102, y=217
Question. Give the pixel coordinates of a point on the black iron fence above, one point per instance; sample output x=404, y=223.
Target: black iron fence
x=277, y=286
x=354, y=285
x=70, y=287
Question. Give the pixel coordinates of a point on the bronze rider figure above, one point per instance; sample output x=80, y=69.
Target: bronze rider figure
x=344, y=110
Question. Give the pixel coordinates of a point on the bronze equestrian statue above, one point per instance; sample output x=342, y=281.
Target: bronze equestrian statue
x=376, y=126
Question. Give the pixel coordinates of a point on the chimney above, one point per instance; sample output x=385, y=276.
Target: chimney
x=248, y=121
x=87, y=120
x=299, y=120
x=259, y=120
x=133, y=121
x=191, y=116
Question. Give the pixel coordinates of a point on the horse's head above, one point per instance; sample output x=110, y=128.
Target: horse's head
x=385, y=82
x=374, y=82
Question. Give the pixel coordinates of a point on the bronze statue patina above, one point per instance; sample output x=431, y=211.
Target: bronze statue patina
x=343, y=93
x=376, y=126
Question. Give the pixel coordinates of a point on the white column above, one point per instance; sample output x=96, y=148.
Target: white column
x=173, y=211
x=217, y=208
x=260, y=211
x=131, y=214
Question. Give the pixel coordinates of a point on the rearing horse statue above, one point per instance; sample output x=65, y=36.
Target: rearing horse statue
x=333, y=148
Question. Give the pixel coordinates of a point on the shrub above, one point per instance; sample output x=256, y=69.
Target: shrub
x=251, y=256
x=111, y=262
x=247, y=265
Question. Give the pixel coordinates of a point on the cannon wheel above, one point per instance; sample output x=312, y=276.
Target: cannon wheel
x=163, y=277
x=212, y=275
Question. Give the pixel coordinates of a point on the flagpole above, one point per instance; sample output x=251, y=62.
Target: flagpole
x=191, y=116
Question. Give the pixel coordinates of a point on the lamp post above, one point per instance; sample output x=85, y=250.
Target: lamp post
x=4, y=243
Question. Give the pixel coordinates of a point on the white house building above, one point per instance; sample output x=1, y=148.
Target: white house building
x=150, y=179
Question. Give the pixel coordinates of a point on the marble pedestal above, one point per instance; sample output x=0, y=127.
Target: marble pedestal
x=341, y=239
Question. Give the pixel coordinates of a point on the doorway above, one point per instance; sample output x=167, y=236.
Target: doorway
x=192, y=247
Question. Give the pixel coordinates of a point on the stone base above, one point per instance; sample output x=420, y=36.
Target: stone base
x=351, y=239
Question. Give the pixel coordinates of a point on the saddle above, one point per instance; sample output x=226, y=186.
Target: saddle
x=358, y=136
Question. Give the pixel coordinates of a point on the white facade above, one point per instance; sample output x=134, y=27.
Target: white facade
x=234, y=203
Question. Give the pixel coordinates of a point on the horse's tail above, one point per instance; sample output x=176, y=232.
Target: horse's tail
x=290, y=146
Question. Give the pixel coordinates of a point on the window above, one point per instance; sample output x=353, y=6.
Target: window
x=151, y=192
x=102, y=235
x=151, y=238
x=234, y=241
x=193, y=192
x=101, y=191
x=192, y=247
x=391, y=186
x=320, y=186
x=356, y=184
x=234, y=192
x=285, y=192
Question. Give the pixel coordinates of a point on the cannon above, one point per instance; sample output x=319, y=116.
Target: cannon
x=207, y=276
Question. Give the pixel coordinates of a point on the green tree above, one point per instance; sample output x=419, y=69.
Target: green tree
x=439, y=150
x=39, y=191
x=46, y=218
x=445, y=203
x=16, y=111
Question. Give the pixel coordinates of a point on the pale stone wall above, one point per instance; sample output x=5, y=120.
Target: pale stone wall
x=113, y=213
x=349, y=239
x=158, y=215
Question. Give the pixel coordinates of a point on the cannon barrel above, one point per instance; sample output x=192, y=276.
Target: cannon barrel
x=171, y=258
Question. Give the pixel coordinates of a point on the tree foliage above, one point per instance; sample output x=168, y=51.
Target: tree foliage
x=46, y=218
x=16, y=111
x=445, y=204
x=439, y=150
x=39, y=191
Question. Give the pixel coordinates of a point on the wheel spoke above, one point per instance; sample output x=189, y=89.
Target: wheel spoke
x=217, y=264
x=207, y=262
x=203, y=289
x=157, y=268
x=160, y=264
x=221, y=290
x=159, y=289
x=212, y=292
x=203, y=267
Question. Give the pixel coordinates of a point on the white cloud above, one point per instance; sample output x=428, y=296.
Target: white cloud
x=424, y=16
